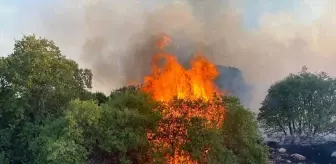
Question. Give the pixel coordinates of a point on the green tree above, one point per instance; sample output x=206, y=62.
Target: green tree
x=11, y=113
x=36, y=84
x=69, y=139
x=241, y=134
x=301, y=104
x=44, y=77
x=3, y=158
x=201, y=137
x=126, y=119
x=100, y=98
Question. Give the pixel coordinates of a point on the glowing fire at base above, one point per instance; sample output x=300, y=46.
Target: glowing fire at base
x=173, y=80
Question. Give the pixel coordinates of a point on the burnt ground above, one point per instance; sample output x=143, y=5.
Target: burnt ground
x=315, y=154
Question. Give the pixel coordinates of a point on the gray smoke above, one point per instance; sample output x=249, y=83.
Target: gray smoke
x=114, y=38
x=232, y=80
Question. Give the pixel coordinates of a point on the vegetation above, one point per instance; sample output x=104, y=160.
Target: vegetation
x=48, y=115
x=302, y=104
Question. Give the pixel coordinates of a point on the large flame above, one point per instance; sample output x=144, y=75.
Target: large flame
x=171, y=80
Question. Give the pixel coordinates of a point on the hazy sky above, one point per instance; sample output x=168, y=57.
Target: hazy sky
x=277, y=37
x=17, y=17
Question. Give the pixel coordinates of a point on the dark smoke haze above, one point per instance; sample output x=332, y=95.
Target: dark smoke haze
x=115, y=39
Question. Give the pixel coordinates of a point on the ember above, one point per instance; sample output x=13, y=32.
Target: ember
x=190, y=86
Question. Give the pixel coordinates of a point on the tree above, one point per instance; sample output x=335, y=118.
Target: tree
x=115, y=131
x=201, y=137
x=69, y=139
x=100, y=98
x=241, y=134
x=36, y=84
x=44, y=77
x=128, y=117
x=301, y=104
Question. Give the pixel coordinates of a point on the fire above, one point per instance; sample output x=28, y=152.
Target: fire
x=171, y=80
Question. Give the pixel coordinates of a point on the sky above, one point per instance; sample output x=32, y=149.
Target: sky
x=276, y=36
x=256, y=8
x=14, y=14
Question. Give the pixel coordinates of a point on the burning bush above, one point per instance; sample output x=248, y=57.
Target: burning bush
x=189, y=132
x=126, y=129
x=173, y=130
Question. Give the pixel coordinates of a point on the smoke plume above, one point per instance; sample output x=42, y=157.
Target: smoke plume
x=115, y=39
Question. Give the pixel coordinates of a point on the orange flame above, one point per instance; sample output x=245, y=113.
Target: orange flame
x=170, y=80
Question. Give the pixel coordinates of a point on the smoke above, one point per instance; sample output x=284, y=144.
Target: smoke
x=231, y=80
x=115, y=38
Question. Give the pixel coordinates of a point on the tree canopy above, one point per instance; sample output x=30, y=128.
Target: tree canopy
x=49, y=115
x=302, y=104
x=37, y=83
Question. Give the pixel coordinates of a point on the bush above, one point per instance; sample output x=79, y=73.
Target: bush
x=241, y=134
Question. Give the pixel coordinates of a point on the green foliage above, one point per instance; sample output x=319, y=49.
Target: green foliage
x=3, y=158
x=43, y=77
x=300, y=104
x=126, y=89
x=83, y=118
x=126, y=118
x=118, y=128
x=100, y=98
x=70, y=138
x=241, y=134
x=201, y=137
x=36, y=85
